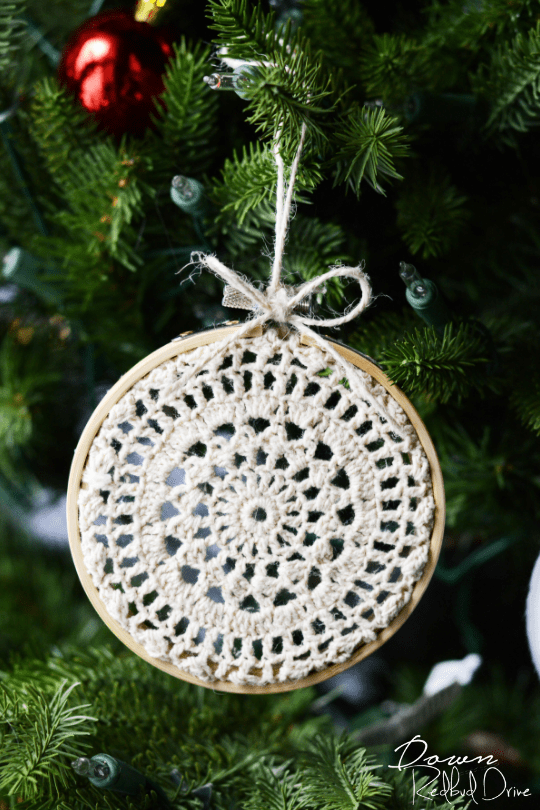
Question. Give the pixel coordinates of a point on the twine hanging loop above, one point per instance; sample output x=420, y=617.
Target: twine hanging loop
x=279, y=302
x=274, y=302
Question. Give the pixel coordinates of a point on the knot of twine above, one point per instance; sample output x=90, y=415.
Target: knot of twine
x=275, y=302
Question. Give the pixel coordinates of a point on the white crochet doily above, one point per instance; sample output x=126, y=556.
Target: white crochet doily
x=261, y=520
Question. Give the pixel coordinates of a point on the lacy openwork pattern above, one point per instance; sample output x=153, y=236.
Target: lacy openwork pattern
x=261, y=520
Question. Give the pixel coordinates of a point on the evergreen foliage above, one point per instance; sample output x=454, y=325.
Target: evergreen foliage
x=373, y=337
x=325, y=23
x=14, y=209
x=25, y=381
x=41, y=600
x=512, y=85
x=60, y=129
x=440, y=368
x=38, y=738
x=339, y=776
x=246, y=182
x=104, y=190
x=210, y=737
x=292, y=84
x=473, y=26
x=431, y=213
x=370, y=142
x=244, y=195
x=475, y=467
x=190, y=117
x=289, y=89
x=256, y=751
x=392, y=65
x=526, y=400
x=11, y=30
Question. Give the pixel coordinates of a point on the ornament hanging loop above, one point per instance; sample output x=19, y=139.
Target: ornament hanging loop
x=283, y=204
x=274, y=302
x=278, y=302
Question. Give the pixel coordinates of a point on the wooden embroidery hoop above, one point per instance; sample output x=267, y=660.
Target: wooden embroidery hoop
x=187, y=343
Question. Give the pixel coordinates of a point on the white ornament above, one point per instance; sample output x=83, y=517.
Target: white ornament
x=449, y=672
x=533, y=615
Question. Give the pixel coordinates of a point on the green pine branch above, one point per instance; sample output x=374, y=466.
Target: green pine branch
x=265, y=753
x=335, y=774
x=123, y=685
x=210, y=736
x=245, y=30
x=274, y=789
x=188, y=121
x=471, y=27
x=473, y=470
x=39, y=737
x=12, y=28
x=16, y=223
x=374, y=336
x=431, y=213
x=104, y=192
x=331, y=774
x=243, y=199
x=293, y=85
x=511, y=85
x=324, y=23
x=340, y=776
x=392, y=65
x=249, y=179
x=369, y=142
x=97, y=186
x=287, y=93
x=245, y=244
x=26, y=379
x=60, y=128
x=48, y=589
x=439, y=368
x=525, y=399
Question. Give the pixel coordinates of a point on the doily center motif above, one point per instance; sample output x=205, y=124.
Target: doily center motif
x=260, y=521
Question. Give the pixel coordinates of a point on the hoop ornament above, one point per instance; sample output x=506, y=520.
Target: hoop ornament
x=262, y=526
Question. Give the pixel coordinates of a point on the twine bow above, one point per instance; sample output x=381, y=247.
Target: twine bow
x=275, y=302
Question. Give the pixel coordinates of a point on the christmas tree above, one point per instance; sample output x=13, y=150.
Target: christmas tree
x=420, y=161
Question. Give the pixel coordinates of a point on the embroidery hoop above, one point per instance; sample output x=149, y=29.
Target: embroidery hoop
x=187, y=344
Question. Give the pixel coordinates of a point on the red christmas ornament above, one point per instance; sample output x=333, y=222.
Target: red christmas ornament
x=114, y=65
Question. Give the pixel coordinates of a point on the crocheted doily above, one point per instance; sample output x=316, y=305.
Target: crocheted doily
x=259, y=521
